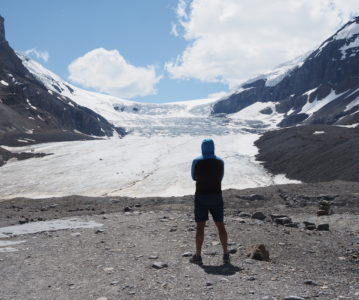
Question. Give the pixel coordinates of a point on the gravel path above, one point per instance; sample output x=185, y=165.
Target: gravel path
x=115, y=261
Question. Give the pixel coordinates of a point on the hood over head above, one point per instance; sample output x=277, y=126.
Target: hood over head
x=207, y=147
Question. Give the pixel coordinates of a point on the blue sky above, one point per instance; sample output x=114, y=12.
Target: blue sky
x=168, y=50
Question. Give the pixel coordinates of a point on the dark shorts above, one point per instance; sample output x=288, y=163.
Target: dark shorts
x=208, y=203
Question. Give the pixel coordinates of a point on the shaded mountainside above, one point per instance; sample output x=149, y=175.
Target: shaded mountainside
x=312, y=153
x=28, y=108
x=327, y=79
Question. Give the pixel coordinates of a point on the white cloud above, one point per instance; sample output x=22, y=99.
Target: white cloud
x=174, y=30
x=230, y=40
x=218, y=95
x=43, y=55
x=107, y=71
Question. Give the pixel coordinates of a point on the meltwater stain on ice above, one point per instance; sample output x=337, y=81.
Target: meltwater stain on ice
x=52, y=225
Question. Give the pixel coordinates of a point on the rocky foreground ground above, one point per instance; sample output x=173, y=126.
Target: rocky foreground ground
x=118, y=260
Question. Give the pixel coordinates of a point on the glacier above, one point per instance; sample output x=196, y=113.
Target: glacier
x=153, y=159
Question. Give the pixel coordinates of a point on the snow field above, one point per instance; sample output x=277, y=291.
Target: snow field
x=36, y=227
x=135, y=166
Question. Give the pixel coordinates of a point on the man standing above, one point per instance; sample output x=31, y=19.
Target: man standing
x=208, y=171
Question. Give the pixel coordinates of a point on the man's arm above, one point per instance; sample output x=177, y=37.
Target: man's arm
x=222, y=171
x=193, y=169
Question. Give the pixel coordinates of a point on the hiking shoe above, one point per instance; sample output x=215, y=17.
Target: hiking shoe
x=226, y=259
x=196, y=260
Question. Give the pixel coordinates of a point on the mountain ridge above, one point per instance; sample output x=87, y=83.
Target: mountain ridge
x=27, y=107
x=323, y=71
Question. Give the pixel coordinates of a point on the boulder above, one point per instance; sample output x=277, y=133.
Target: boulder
x=258, y=252
x=323, y=227
x=283, y=221
x=258, y=215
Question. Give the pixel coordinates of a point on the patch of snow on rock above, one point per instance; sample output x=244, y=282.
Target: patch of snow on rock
x=28, y=102
x=8, y=249
x=275, y=76
x=311, y=107
x=10, y=243
x=351, y=45
x=348, y=31
x=51, y=225
x=4, y=83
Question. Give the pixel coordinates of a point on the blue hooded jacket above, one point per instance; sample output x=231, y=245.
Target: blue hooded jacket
x=208, y=170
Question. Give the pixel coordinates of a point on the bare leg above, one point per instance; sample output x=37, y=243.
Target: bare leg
x=222, y=236
x=199, y=237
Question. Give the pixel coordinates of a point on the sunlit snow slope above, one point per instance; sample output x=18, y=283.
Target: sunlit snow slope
x=154, y=159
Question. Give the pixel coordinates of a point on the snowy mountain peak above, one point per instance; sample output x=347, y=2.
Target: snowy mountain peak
x=331, y=72
x=348, y=30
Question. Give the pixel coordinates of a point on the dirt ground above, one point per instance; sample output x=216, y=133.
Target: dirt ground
x=115, y=260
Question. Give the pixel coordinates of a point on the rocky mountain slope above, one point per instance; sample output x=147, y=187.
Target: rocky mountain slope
x=319, y=88
x=312, y=153
x=30, y=112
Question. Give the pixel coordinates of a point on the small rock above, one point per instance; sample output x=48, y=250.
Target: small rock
x=232, y=250
x=75, y=234
x=293, y=298
x=138, y=205
x=249, y=261
x=153, y=257
x=209, y=283
x=252, y=197
x=115, y=282
x=115, y=201
x=311, y=282
x=127, y=209
x=322, y=212
x=187, y=254
x=291, y=225
x=273, y=217
x=244, y=215
x=323, y=227
x=210, y=252
x=258, y=252
x=108, y=269
x=99, y=231
x=258, y=216
x=173, y=229
x=283, y=220
x=309, y=225
x=24, y=220
x=132, y=292
x=251, y=278
x=223, y=279
x=215, y=243
x=159, y=265
x=240, y=220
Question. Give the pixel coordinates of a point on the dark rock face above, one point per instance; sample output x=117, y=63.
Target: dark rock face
x=329, y=69
x=2, y=30
x=26, y=107
x=312, y=153
x=5, y=155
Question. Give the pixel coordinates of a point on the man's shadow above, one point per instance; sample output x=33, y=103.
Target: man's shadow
x=224, y=270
